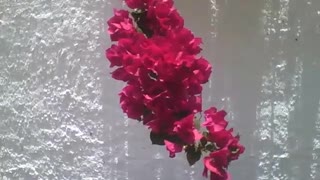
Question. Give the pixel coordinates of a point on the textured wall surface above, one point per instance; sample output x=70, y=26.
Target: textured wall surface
x=59, y=112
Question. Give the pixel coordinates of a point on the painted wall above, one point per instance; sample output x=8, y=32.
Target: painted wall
x=59, y=112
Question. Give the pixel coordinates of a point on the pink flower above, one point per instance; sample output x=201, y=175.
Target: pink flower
x=220, y=138
x=189, y=43
x=202, y=70
x=168, y=18
x=186, y=131
x=235, y=149
x=216, y=163
x=173, y=148
x=227, y=147
x=214, y=120
x=131, y=101
x=121, y=74
x=131, y=44
x=120, y=25
x=164, y=83
x=115, y=55
x=137, y=4
x=192, y=104
x=192, y=87
x=158, y=16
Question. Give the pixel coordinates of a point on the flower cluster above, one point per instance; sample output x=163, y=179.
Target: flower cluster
x=225, y=146
x=157, y=57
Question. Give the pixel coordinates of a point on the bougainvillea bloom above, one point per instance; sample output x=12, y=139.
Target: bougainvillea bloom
x=131, y=101
x=157, y=57
x=173, y=148
x=137, y=4
x=120, y=25
x=227, y=146
x=186, y=131
x=216, y=163
x=166, y=17
x=214, y=120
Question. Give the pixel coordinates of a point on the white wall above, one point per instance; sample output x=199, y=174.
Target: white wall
x=59, y=112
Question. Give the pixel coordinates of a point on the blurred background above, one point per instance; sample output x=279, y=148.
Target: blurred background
x=59, y=111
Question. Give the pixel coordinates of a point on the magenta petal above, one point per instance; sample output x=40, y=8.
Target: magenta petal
x=173, y=148
x=215, y=120
x=205, y=172
x=185, y=129
x=213, y=169
x=121, y=74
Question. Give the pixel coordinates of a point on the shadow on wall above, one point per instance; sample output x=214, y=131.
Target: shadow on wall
x=238, y=64
x=256, y=55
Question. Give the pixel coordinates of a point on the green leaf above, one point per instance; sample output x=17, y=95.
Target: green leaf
x=193, y=155
x=203, y=141
x=157, y=139
x=210, y=147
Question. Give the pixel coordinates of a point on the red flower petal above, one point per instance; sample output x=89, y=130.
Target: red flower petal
x=215, y=120
x=120, y=25
x=121, y=74
x=173, y=148
x=137, y=4
x=131, y=101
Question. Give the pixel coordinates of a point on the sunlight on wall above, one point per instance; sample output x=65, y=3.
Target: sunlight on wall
x=60, y=114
